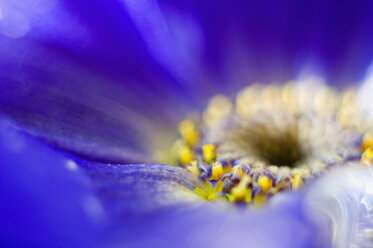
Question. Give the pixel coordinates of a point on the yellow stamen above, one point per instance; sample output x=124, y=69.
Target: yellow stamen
x=273, y=134
x=189, y=132
x=186, y=155
x=217, y=171
x=265, y=183
x=296, y=181
x=241, y=192
x=367, y=141
x=209, y=153
x=367, y=156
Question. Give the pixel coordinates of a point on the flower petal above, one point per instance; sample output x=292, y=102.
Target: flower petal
x=90, y=117
x=134, y=189
x=345, y=199
x=43, y=203
x=48, y=200
x=212, y=225
x=271, y=41
x=68, y=81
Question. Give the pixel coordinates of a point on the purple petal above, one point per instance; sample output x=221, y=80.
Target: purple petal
x=272, y=41
x=281, y=225
x=77, y=110
x=135, y=189
x=84, y=85
x=48, y=200
x=43, y=203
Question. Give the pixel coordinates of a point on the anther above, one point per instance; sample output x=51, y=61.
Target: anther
x=209, y=153
x=217, y=171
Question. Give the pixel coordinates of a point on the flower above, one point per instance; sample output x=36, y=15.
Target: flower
x=90, y=91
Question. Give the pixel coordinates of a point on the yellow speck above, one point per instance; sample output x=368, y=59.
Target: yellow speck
x=296, y=181
x=265, y=183
x=240, y=195
x=193, y=168
x=186, y=155
x=367, y=141
x=209, y=153
x=241, y=192
x=367, y=156
x=217, y=171
x=189, y=132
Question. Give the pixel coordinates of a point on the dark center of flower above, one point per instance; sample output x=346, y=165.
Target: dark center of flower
x=277, y=147
x=273, y=139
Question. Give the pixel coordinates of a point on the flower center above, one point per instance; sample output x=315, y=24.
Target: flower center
x=272, y=146
x=274, y=138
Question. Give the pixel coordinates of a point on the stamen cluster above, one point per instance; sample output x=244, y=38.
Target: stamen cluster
x=274, y=138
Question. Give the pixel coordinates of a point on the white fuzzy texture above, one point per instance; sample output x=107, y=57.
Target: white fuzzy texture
x=345, y=197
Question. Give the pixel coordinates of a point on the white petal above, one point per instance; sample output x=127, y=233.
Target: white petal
x=345, y=196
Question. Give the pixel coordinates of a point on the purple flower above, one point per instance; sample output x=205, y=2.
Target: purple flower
x=90, y=91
